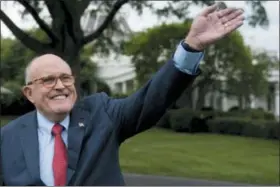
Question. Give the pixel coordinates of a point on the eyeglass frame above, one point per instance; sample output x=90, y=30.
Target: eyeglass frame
x=55, y=81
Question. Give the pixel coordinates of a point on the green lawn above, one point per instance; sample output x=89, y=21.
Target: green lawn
x=217, y=157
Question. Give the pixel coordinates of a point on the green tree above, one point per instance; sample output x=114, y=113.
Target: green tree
x=66, y=37
x=229, y=61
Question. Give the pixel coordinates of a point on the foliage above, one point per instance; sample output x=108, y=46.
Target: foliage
x=245, y=127
x=249, y=122
x=187, y=121
x=254, y=79
x=150, y=49
x=12, y=68
x=254, y=114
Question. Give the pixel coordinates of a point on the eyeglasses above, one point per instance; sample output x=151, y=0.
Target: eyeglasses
x=51, y=81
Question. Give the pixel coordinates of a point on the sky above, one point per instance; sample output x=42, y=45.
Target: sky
x=258, y=38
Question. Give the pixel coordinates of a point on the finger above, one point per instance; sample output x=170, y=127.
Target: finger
x=237, y=19
x=234, y=24
x=226, y=11
x=233, y=27
x=234, y=21
x=232, y=15
x=209, y=10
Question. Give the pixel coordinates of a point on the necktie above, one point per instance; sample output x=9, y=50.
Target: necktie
x=60, y=157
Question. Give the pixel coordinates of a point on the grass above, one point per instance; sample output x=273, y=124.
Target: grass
x=200, y=156
x=204, y=156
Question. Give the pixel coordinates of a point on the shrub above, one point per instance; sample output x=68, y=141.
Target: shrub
x=274, y=130
x=119, y=95
x=234, y=108
x=164, y=121
x=251, y=123
x=186, y=120
x=16, y=107
x=245, y=127
x=249, y=113
x=260, y=114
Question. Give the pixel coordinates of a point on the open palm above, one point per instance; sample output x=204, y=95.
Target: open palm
x=212, y=25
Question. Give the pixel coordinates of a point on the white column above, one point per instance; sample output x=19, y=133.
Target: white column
x=124, y=87
x=224, y=102
x=277, y=113
x=253, y=103
x=224, y=97
x=113, y=87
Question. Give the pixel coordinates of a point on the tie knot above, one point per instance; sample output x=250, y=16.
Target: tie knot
x=57, y=129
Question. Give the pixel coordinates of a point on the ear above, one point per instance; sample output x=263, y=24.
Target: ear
x=27, y=92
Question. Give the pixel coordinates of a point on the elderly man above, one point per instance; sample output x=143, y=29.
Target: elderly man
x=69, y=142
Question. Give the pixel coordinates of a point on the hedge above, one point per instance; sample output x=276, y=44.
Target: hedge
x=184, y=120
x=249, y=113
x=16, y=108
x=251, y=123
x=245, y=127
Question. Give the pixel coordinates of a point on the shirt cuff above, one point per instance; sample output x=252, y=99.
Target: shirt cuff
x=186, y=61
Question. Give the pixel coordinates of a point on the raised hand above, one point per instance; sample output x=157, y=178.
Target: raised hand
x=212, y=25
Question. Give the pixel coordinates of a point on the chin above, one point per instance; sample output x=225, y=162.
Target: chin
x=62, y=109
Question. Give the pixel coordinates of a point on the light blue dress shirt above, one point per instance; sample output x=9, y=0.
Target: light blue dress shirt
x=46, y=146
x=185, y=61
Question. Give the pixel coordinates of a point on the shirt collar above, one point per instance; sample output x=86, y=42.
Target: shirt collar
x=46, y=125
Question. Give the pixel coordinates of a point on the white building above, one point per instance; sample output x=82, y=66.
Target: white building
x=118, y=73
x=115, y=70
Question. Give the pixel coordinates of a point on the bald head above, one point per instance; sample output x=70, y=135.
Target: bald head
x=44, y=65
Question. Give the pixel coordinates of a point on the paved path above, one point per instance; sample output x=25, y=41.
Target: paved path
x=149, y=180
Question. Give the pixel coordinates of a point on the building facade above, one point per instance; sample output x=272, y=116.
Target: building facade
x=118, y=73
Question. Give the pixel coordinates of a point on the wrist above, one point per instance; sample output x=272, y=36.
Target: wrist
x=194, y=43
x=187, y=47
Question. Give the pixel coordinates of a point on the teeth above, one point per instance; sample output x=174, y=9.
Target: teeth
x=60, y=97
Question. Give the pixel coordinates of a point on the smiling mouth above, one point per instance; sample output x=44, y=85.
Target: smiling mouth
x=60, y=97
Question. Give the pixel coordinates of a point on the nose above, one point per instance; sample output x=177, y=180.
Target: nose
x=59, y=84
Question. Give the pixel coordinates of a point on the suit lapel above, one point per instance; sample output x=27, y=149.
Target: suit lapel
x=79, y=120
x=30, y=145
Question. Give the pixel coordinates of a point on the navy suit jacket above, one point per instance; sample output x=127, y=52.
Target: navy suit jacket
x=93, y=150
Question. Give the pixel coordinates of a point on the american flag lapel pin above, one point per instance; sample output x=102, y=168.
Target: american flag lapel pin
x=81, y=124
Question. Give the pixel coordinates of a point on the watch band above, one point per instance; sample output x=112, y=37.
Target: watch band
x=187, y=47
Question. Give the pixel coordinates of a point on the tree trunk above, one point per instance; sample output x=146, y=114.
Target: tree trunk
x=240, y=102
x=72, y=57
x=76, y=68
x=211, y=98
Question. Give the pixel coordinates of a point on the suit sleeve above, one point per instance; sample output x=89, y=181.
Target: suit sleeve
x=142, y=110
x=1, y=172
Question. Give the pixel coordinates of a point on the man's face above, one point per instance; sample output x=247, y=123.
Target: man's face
x=52, y=90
